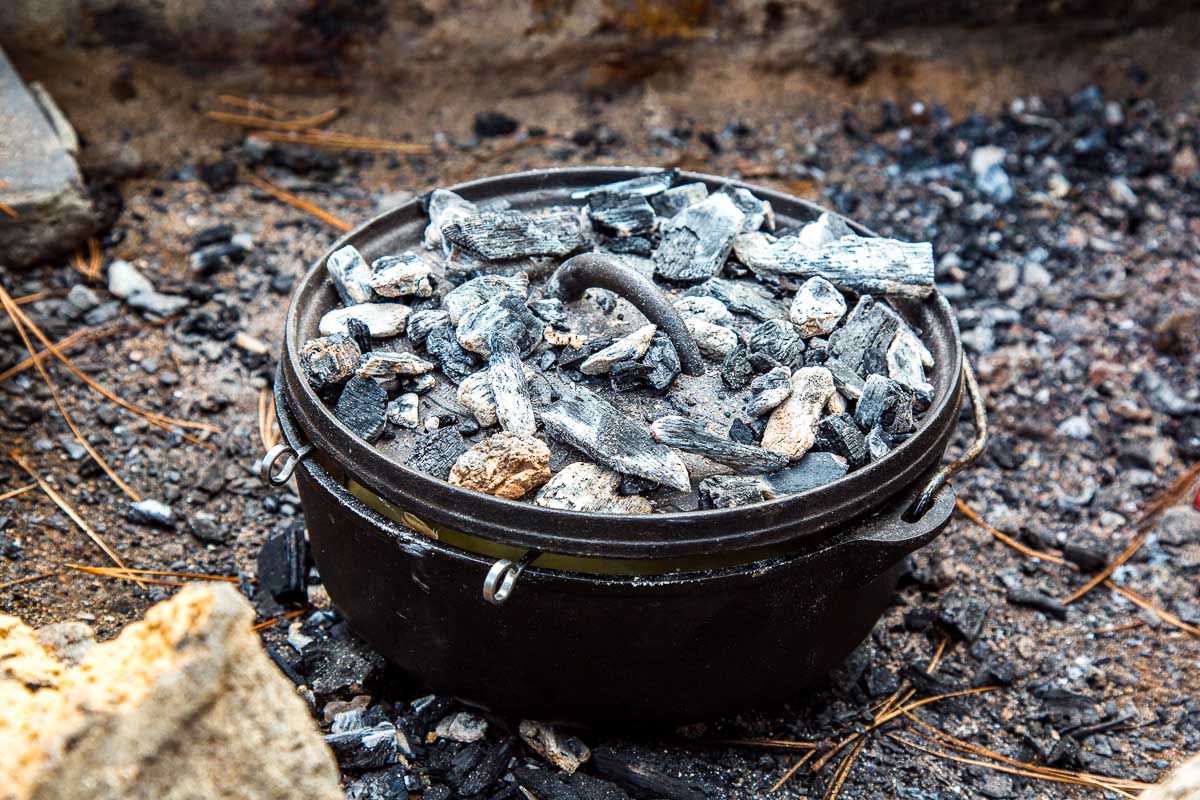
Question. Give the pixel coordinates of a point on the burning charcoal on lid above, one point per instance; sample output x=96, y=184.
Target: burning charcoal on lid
x=509, y=235
x=383, y=365
x=838, y=434
x=418, y=384
x=641, y=246
x=644, y=185
x=692, y=437
x=672, y=201
x=283, y=564
x=444, y=207
x=403, y=275
x=591, y=488
x=550, y=310
x=810, y=472
x=696, y=241
x=435, y=453
x=904, y=357
x=886, y=403
x=420, y=323
x=505, y=317
x=817, y=308
x=792, y=427
x=741, y=298
x=329, y=360
x=383, y=320
x=630, y=347
x=362, y=407
x=862, y=341
x=597, y=429
x=709, y=309
x=878, y=445
x=776, y=342
x=507, y=465
x=403, y=411
x=621, y=214
x=626, y=376
x=736, y=369
x=514, y=409
x=442, y=346
x=481, y=291
x=848, y=382
x=739, y=431
x=758, y=213
x=351, y=276
x=715, y=341
x=769, y=390
x=731, y=491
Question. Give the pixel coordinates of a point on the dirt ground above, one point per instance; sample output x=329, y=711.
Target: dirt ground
x=1073, y=354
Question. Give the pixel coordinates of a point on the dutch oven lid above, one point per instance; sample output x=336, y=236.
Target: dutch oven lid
x=796, y=518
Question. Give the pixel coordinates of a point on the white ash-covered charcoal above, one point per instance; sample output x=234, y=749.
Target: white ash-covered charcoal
x=885, y=403
x=662, y=363
x=792, y=427
x=403, y=275
x=826, y=229
x=444, y=207
x=591, y=488
x=593, y=426
x=404, y=411
x=362, y=408
x=862, y=341
x=878, y=444
x=696, y=241
x=434, y=453
x=839, y=434
x=571, y=357
x=644, y=185
x=506, y=316
x=814, y=470
x=758, y=213
x=329, y=360
x=550, y=310
x=383, y=320
x=715, y=341
x=481, y=291
x=642, y=246
x=736, y=369
x=672, y=201
x=848, y=382
x=475, y=395
x=904, y=364
x=709, y=309
x=621, y=214
x=351, y=275
x=776, y=343
x=383, y=365
x=732, y=491
x=442, y=345
x=742, y=298
x=508, y=465
x=630, y=347
x=817, y=308
x=691, y=436
x=418, y=384
x=769, y=390
x=855, y=263
x=421, y=322
x=514, y=408
x=510, y=235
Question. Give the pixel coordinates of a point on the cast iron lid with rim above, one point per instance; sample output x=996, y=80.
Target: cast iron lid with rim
x=798, y=519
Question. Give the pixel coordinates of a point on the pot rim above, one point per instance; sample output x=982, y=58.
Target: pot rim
x=794, y=517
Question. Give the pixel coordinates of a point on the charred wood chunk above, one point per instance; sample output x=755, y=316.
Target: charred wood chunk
x=444, y=207
x=514, y=409
x=769, y=390
x=351, y=276
x=329, y=360
x=481, y=291
x=878, y=443
x=358, y=330
x=630, y=347
x=362, y=408
x=886, y=403
x=365, y=748
x=776, y=342
x=696, y=242
x=489, y=768
x=443, y=347
x=404, y=275
x=838, y=434
x=847, y=381
x=420, y=323
x=826, y=229
x=435, y=453
x=644, y=185
x=625, y=376
x=672, y=201
x=757, y=213
x=730, y=491
x=383, y=320
x=621, y=214
x=509, y=235
x=905, y=365
x=663, y=360
x=597, y=429
x=692, y=437
x=551, y=785
x=817, y=308
x=636, y=774
x=736, y=369
x=582, y=486
x=741, y=298
x=642, y=246
x=810, y=472
x=383, y=365
x=550, y=310
x=862, y=342
x=792, y=427
x=283, y=564
x=506, y=317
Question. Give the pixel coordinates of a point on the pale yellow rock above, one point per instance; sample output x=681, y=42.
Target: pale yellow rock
x=506, y=465
x=183, y=705
x=792, y=427
x=1182, y=784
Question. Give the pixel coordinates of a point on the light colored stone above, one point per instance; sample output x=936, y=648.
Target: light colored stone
x=475, y=395
x=401, y=276
x=462, y=726
x=124, y=280
x=714, y=341
x=67, y=641
x=817, y=308
x=382, y=319
x=1182, y=784
x=505, y=464
x=630, y=347
x=709, y=309
x=564, y=751
x=792, y=427
x=584, y=486
x=185, y=704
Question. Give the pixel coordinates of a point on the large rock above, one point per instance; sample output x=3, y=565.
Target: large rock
x=1182, y=784
x=42, y=184
x=185, y=704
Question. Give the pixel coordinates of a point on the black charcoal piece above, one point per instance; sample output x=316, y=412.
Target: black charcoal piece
x=420, y=323
x=905, y=357
x=641, y=776
x=663, y=359
x=626, y=376
x=283, y=564
x=494, y=123
x=554, y=785
x=736, y=369
x=435, y=453
x=351, y=276
x=644, y=185
x=838, y=434
x=572, y=357
x=362, y=408
x=549, y=310
x=365, y=748
x=886, y=403
x=741, y=298
x=630, y=246
x=730, y=491
x=862, y=341
x=777, y=340
x=509, y=235
x=692, y=437
x=442, y=345
x=358, y=330
x=696, y=241
x=672, y=201
x=621, y=214
x=878, y=445
x=847, y=381
x=443, y=207
x=961, y=614
x=329, y=360
x=810, y=472
x=481, y=291
x=593, y=426
x=418, y=384
x=740, y=431
x=817, y=352
x=488, y=769
x=384, y=365
x=505, y=317
x=768, y=391
x=339, y=662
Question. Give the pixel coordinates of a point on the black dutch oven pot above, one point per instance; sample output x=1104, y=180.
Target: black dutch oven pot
x=558, y=614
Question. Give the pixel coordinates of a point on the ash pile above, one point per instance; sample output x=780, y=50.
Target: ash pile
x=463, y=361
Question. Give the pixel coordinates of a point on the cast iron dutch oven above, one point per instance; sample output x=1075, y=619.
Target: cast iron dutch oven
x=557, y=614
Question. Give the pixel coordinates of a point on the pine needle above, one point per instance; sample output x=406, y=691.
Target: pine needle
x=1163, y=614
x=268, y=426
x=300, y=203
x=5, y=207
x=28, y=579
x=1008, y=540
x=769, y=744
x=843, y=770
x=62, y=503
x=134, y=574
x=25, y=300
x=800, y=762
x=294, y=124
x=29, y=487
x=331, y=140
x=273, y=620
x=81, y=336
x=252, y=105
